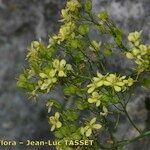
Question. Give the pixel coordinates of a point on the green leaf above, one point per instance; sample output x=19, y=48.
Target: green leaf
x=76, y=136
x=58, y=134
x=102, y=29
x=70, y=115
x=108, y=49
x=146, y=82
x=110, y=98
x=103, y=15
x=50, y=52
x=72, y=90
x=118, y=40
x=82, y=104
x=72, y=127
x=22, y=77
x=24, y=83
x=42, y=50
x=108, y=52
x=84, y=29
x=69, y=90
x=115, y=99
x=79, y=57
x=88, y=6
x=74, y=43
x=55, y=104
x=66, y=131
x=117, y=33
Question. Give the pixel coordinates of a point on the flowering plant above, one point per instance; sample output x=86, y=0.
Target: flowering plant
x=92, y=92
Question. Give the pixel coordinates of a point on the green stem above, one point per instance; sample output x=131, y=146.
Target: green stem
x=124, y=106
x=129, y=118
x=125, y=142
x=84, y=77
x=111, y=134
x=100, y=61
x=132, y=122
x=110, y=25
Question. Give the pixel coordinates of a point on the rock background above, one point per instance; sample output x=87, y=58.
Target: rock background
x=23, y=21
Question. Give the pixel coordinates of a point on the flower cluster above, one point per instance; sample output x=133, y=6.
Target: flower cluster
x=87, y=130
x=134, y=37
x=95, y=98
x=50, y=76
x=99, y=96
x=71, y=8
x=48, y=79
x=72, y=5
x=117, y=83
x=61, y=67
x=140, y=53
x=99, y=100
x=65, y=32
x=33, y=55
x=69, y=15
x=54, y=121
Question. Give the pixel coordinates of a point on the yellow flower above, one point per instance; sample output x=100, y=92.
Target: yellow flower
x=87, y=130
x=139, y=52
x=49, y=105
x=61, y=67
x=129, y=55
x=96, y=98
x=105, y=111
x=65, y=14
x=72, y=5
x=92, y=87
x=49, y=80
x=54, y=121
x=66, y=31
x=114, y=81
x=35, y=44
x=143, y=49
x=128, y=82
x=97, y=82
x=54, y=39
x=32, y=55
x=99, y=79
x=135, y=52
x=134, y=37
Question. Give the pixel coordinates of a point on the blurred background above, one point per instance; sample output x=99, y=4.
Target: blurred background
x=22, y=21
